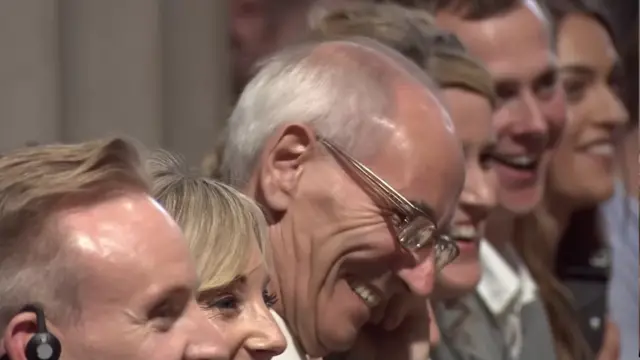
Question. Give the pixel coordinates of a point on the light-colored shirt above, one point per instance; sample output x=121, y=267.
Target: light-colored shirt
x=620, y=215
x=505, y=291
x=293, y=350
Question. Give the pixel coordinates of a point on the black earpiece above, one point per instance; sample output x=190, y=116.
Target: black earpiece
x=43, y=345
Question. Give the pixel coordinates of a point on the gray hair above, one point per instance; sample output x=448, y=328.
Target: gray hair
x=342, y=88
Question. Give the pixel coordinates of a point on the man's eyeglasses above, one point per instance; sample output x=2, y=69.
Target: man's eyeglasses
x=415, y=228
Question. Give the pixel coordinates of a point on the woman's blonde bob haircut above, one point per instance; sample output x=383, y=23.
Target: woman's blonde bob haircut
x=221, y=225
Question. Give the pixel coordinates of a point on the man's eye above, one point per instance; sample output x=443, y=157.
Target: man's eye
x=165, y=314
x=506, y=91
x=165, y=309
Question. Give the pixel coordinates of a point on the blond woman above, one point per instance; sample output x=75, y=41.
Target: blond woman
x=226, y=232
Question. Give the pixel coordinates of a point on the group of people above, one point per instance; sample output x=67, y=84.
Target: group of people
x=411, y=180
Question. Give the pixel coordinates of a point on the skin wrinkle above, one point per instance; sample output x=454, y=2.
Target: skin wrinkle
x=118, y=244
x=329, y=223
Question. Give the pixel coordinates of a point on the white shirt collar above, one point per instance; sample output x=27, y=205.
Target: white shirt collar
x=293, y=350
x=502, y=287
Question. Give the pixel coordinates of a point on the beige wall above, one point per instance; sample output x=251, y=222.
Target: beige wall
x=156, y=70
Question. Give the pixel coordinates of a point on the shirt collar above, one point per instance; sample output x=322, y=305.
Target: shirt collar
x=293, y=350
x=501, y=286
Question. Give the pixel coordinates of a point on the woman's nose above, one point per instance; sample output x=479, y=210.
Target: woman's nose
x=479, y=194
x=264, y=340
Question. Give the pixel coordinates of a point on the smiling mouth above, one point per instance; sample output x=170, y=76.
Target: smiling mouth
x=519, y=162
x=465, y=233
x=365, y=292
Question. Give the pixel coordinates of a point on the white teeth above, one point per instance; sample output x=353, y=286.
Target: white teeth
x=602, y=149
x=366, y=294
x=464, y=232
x=520, y=160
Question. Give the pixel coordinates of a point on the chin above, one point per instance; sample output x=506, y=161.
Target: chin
x=338, y=323
x=457, y=280
x=334, y=337
x=521, y=201
x=593, y=194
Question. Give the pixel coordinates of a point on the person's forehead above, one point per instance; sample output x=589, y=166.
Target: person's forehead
x=128, y=243
x=515, y=45
x=472, y=116
x=582, y=39
x=422, y=157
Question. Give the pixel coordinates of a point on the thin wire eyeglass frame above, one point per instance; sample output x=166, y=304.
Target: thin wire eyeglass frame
x=416, y=230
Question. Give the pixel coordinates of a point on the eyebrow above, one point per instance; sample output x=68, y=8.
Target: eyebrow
x=514, y=79
x=167, y=294
x=577, y=69
x=231, y=285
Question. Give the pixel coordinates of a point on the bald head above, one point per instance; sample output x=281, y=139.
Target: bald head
x=328, y=226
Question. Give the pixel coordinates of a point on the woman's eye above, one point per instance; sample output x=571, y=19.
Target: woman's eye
x=227, y=302
x=270, y=299
x=574, y=89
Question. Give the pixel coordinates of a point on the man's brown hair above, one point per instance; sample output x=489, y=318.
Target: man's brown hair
x=35, y=184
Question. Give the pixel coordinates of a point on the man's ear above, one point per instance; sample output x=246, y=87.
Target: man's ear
x=17, y=334
x=283, y=163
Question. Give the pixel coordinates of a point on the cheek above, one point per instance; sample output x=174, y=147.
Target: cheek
x=555, y=111
x=232, y=329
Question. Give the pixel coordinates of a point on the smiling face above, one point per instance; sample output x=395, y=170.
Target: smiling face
x=138, y=286
x=516, y=49
x=472, y=117
x=582, y=169
x=241, y=310
x=338, y=261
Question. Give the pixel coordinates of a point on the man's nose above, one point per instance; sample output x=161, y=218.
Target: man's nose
x=528, y=118
x=206, y=341
x=420, y=277
x=264, y=339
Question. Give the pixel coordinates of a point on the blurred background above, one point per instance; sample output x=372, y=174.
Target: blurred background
x=165, y=72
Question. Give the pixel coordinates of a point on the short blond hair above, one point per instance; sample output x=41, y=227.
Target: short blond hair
x=36, y=183
x=222, y=226
x=411, y=32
